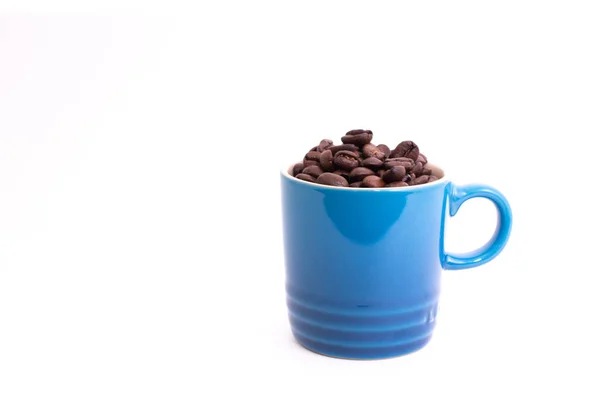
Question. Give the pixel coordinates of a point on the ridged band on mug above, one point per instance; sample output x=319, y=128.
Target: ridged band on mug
x=361, y=331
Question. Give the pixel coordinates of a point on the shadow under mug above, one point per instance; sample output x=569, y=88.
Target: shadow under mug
x=363, y=266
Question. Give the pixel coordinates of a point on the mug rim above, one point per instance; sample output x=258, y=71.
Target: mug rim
x=286, y=172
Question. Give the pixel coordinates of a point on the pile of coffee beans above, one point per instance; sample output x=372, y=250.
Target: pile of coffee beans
x=359, y=163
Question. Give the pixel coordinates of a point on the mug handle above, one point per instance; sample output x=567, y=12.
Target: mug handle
x=457, y=195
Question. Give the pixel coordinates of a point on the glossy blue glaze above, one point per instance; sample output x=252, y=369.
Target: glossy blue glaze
x=457, y=196
x=363, y=266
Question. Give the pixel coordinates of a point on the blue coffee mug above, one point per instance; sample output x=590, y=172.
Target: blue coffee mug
x=363, y=266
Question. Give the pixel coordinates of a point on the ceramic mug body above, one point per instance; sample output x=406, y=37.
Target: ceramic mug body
x=363, y=266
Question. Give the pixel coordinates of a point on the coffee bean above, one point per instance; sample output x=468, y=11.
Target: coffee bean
x=355, y=132
x=342, y=173
x=326, y=160
x=324, y=145
x=349, y=147
x=297, y=169
x=394, y=174
x=386, y=150
x=331, y=179
x=420, y=180
x=397, y=162
x=313, y=155
x=359, y=137
x=359, y=173
x=306, y=178
x=406, y=149
x=358, y=140
x=308, y=163
x=346, y=160
x=372, y=162
x=397, y=184
x=312, y=158
x=417, y=169
x=409, y=178
x=373, y=181
x=359, y=163
x=370, y=150
x=313, y=170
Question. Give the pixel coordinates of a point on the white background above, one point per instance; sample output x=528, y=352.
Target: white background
x=140, y=228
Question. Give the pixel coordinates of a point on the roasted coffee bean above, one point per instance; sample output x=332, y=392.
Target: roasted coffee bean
x=313, y=155
x=417, y=169
x=400, y=161
x=308, y=163
x=331, y=179
x=420, y=180
x=324, y=145
x=313, y=170
x=346, y=160
x=409, y=178
x=326, y=160
x=312, y=158
x=355, y=132
x=359, y=163
x=373, y=181
x=372, y=162
x=359, y=137
x=406, y=149
x=306, y=178
x=349, y=147
x=358, y=140
x=370, y=150
x=394, y=174
x=342, y=173
x=297, y=169
x=397, y=184
x=360, y=173
x=386, y=150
